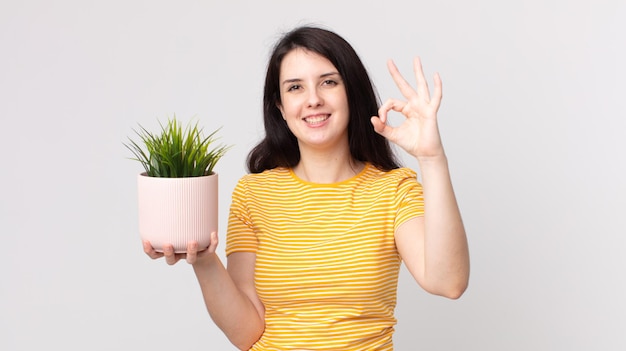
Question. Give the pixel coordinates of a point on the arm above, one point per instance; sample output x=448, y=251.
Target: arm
x=229, y=294
x=230, y=297
x=434, y=247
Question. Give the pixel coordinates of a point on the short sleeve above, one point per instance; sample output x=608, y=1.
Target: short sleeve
x=409, y=197
x=240, y=235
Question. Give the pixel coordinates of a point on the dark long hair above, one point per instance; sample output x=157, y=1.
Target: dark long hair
x=279, y=148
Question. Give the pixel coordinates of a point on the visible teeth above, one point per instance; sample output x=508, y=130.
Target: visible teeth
x=316, y=119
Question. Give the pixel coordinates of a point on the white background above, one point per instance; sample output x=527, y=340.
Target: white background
x=533, y=121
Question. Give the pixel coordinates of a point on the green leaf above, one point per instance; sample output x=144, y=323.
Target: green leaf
x=176, y=152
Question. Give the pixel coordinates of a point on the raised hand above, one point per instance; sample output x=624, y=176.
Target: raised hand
x=418, y=134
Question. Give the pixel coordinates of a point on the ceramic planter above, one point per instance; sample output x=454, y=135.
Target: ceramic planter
x=177, y=210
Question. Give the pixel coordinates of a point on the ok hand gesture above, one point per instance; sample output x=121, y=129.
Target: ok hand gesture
x=418, y=134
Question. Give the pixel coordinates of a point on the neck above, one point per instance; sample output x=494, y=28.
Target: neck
x=326, y=168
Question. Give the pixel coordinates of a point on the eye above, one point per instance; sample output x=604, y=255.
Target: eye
x=294, y=87
x=329, y=82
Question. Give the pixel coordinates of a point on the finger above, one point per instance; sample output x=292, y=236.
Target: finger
x=422, y=84
x=379, y=126
x=149, y=250
x=438, y=90
x=389, y=105
x=192, y=252
x=383, y=129
x=213, y=244
x=170, y=257
x=403, y=85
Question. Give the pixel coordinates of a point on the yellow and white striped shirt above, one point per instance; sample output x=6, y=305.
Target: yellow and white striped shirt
x=326, y=262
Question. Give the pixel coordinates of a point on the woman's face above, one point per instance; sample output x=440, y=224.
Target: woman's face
x=313, y=100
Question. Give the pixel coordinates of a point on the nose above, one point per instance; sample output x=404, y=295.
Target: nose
x=314, y=98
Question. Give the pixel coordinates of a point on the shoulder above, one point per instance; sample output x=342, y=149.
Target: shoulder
x=397, y=175
x=270, y=174
x=264, y=180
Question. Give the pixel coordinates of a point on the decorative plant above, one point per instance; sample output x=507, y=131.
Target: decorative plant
x=177, y=152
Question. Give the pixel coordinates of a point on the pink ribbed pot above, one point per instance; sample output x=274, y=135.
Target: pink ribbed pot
x=177, y=210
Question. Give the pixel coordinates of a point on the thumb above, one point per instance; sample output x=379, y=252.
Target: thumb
x=380, y=127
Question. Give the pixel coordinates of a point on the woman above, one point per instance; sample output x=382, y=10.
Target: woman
x=318, y=229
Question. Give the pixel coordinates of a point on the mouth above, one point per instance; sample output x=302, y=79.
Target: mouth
x=316, y=119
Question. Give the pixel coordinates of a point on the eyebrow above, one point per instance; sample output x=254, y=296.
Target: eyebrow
x=295, y=80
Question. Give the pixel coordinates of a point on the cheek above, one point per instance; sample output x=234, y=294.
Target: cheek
x=289, y=109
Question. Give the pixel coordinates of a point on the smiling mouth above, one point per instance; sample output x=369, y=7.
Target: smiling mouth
x=317, y=119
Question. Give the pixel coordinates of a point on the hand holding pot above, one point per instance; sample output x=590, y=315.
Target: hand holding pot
x=192, y=256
